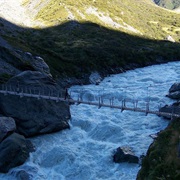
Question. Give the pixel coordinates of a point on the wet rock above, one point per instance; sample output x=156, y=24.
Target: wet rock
x=174, y=95
x=174, y=91
x=13, y=152
x=23, y=175
x=7, y=126
x=174, y=87
x=95, y=78
x=124, y=155
x=172, y=109
x=26, y=173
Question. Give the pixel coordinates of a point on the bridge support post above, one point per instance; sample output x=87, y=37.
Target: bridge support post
x=135, y=105
x=102, y=101
x=5, y=89
x=147, y=108
x=78, y=100
x=99, y=106
x=172, y=114
x=123, y=105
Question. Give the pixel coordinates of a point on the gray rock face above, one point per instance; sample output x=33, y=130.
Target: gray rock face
x=7, y=126
x=124, y=155
x=35, y=116
x=36, y=62
x=13, y=152
x=174, y=91
x=95, y=78
x=32, y=78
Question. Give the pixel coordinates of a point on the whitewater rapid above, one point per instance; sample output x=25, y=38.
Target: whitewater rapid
x=84, y=152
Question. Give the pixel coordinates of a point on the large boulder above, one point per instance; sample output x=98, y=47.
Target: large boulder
x=124, y=155
x=7, y=126
x=174, y=91
x=35, y=116
x=14, y=151
x=172, y=109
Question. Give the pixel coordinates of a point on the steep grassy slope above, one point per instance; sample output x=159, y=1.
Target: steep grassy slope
x=132, y=16
x=169, y=4
x=162, y=160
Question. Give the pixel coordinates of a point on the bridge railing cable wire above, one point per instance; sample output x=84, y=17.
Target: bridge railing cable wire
x=42, y=92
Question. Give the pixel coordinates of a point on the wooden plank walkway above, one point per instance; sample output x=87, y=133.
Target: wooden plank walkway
x=99, y=103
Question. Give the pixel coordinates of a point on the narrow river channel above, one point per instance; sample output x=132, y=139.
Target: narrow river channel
x=85, y=151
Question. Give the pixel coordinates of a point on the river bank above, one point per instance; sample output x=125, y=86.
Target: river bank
x=163, y=156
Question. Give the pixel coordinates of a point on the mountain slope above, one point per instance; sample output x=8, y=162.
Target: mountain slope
x=78, y=37
x=135, y=16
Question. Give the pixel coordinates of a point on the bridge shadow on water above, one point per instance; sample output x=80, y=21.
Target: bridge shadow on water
x=76, y=48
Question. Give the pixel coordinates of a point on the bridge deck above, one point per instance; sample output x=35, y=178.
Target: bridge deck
x=79, y=101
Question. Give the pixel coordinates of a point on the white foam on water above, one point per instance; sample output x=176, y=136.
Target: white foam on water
x=85, y=152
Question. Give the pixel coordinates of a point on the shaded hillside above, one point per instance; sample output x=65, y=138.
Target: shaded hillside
x=75, y=49
x=169, y=4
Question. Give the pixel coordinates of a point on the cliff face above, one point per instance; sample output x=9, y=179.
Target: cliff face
x=163, y=157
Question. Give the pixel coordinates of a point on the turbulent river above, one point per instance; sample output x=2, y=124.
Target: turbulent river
x=85, y=151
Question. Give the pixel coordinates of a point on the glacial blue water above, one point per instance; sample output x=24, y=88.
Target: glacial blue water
x=85, y=151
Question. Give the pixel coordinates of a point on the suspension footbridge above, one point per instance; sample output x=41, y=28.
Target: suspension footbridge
x=62, y=95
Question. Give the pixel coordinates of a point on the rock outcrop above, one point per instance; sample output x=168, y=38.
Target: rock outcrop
x=32, y=78
x=173, y=109
x=14, y=151
x=124, y=155
x=34, y=116
x=174, y=91
x=7, y=126
x=36, y=62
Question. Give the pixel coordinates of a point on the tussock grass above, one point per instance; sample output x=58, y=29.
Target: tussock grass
x=162, y=160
